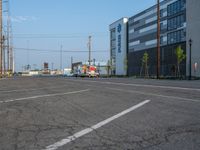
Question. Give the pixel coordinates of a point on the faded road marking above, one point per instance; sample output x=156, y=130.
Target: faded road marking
x=47, y=95
x=157, y=95
x=94, y=127
x=33, y=89
x=139, y=85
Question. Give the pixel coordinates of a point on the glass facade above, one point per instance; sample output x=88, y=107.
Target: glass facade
x=176, y=22
x=113, y=49
x=173, y=33
x=176, y=37
x=176, y=7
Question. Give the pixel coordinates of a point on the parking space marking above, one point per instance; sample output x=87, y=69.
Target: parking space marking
x=33, y=89
x=47, y=95
x=94, y=127
x=139, y=85
x=157, y=95
x=26, y=90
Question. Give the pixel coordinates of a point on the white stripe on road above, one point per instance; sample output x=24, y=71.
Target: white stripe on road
x=153, y=94
x=27, y=90
x=2, y=78
x=22, y=90
x=94, y=127
x=139, y=85
x=40, y=96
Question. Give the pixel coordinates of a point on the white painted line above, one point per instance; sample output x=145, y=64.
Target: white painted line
x=32, y=89
x=94, y=127
x=22, y=90
x=26, y=90
x=139, y=85
x=40, y=96
x=157, y=95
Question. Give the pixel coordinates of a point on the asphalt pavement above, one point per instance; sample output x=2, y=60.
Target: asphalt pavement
x=56, y=113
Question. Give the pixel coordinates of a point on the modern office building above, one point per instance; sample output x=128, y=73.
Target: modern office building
x=143, y=38
x=118, y=47
x=179, y=24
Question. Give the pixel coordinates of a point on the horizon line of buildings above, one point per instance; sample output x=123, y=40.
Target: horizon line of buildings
x=131, y=37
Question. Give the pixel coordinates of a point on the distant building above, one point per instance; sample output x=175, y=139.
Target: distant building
x=76, y=66
x=102, y=68
x=46, y=66
x=67, y=72
x=118, y=47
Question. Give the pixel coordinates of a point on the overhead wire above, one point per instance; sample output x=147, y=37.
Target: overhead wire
x=58, y=51
x=59, y=35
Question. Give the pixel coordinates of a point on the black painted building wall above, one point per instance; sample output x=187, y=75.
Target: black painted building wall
x=168, y=61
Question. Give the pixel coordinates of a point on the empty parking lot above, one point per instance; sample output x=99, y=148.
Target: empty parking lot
x=95, y=114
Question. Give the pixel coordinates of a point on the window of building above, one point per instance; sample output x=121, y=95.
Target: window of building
x=161, y=13
x=161, y=26
x=176, y=22
x=113, y=34
x=161, y=40
x=175, y=37
x=176, y=7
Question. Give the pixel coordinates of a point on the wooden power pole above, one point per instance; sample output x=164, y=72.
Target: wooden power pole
x=1, y=41
x=158, y=39
x=61, y=56
x=89, y=46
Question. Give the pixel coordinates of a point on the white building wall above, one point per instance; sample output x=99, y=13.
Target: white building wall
x=193, y=32
x=121, y=45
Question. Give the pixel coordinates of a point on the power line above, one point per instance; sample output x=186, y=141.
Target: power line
x=70, y=36
x=54, y=37
x=58, y=51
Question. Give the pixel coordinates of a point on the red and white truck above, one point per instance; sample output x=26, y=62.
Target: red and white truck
x=88, y=71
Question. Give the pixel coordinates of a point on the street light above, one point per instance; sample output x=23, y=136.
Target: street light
x=190, y=73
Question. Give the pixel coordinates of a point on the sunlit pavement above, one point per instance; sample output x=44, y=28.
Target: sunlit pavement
x=99, y=114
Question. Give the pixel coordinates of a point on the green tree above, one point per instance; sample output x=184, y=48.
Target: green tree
x=144, y=66
x=180, y=56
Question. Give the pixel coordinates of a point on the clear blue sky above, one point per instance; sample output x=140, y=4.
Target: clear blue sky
x=47, y=24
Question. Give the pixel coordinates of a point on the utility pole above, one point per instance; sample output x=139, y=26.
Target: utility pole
x=10, y=53
x=8, y=37
x=158, y=39
x=12, y=61
x=89, y=46
x=1, y=40
x=4, y=55
x=61, y=57
x=71, y=63
x=52, y=66
x=28, y=66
